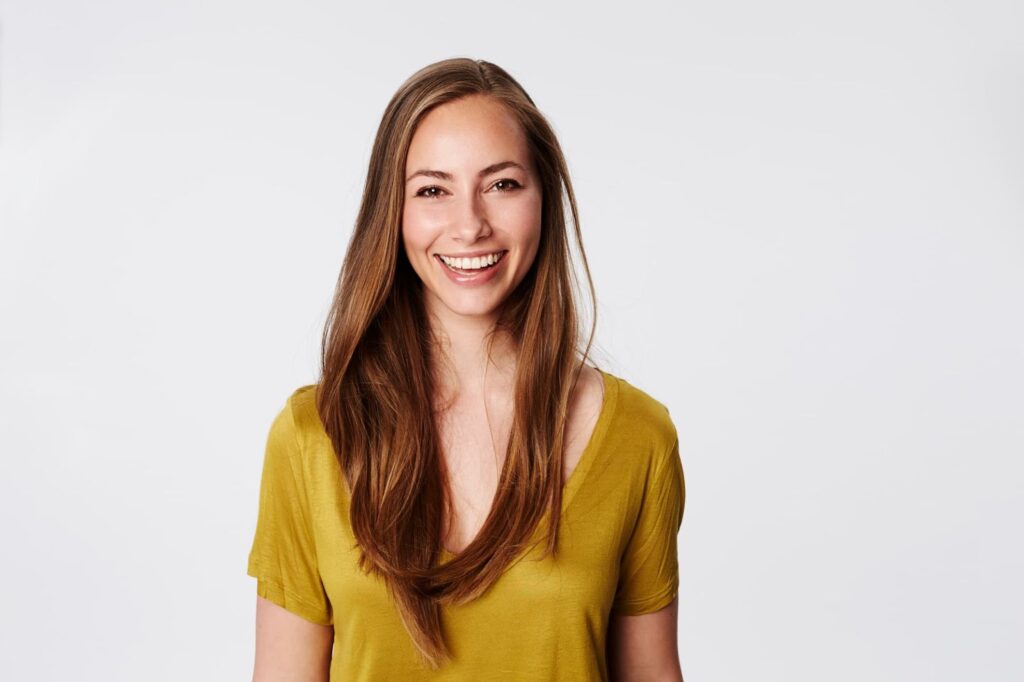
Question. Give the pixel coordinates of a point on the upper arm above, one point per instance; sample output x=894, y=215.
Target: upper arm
x=294, y=616
x=290, y=648
x=641, y=641
x=644, y=647
x=649, y=566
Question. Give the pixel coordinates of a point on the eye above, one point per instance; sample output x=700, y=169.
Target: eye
x=422, y=191
x=515, y=185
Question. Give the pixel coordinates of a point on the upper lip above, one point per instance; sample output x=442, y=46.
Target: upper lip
x=471, y=254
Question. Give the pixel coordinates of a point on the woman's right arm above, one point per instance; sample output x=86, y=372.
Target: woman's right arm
x=289, y=648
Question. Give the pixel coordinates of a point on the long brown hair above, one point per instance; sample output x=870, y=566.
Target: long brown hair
x=376, y=394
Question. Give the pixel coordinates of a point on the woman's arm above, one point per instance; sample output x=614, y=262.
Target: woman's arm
x=644, y=648
x=289, y=648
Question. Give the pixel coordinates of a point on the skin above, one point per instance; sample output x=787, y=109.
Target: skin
x=465, y=212
x=498, y=211
x=289, y=648
x=644, y=648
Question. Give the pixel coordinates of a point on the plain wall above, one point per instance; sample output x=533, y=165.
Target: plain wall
x=804, y=223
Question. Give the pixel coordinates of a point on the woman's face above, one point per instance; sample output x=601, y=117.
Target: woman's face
x=471, y=194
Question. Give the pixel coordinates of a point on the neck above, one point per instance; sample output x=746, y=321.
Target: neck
x=464, y=357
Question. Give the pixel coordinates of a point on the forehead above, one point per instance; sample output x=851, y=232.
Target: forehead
x=469, y=131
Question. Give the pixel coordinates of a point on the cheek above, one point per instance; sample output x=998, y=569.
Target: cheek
x=525, y=220
x=415, y=234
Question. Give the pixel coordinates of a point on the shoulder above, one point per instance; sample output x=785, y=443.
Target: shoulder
x=297, y=444
x=589, y=396
x=302, y=403
x=300, y=415
x=641, y=422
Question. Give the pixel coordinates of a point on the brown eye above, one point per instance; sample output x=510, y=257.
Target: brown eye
x=427, y=189
x=515, y=184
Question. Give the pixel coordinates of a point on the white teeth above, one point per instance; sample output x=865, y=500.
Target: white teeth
x=474, y=263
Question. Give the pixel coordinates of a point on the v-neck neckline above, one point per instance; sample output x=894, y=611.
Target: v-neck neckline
x=579, y=472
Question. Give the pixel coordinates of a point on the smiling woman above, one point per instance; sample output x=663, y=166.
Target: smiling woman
x=461, y=495
x=493, y=206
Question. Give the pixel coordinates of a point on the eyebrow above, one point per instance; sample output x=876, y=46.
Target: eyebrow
x=442, y=175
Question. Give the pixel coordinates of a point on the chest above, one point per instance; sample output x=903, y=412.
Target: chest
x=577, y=585
x=474, y=443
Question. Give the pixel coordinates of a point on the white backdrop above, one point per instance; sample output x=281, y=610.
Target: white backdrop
x=804, y=222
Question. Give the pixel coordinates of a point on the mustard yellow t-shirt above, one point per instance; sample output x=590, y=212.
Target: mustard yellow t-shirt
x=543, y=619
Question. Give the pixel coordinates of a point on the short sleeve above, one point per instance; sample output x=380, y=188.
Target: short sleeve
x=283, y=555
x=649, y=569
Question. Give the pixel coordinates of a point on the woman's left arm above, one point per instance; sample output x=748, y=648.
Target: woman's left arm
x=644, y=648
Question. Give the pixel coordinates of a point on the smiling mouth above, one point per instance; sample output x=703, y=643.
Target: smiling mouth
x=482, y=264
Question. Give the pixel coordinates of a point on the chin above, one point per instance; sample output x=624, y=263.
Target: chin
x=472, y=310
x=468, y=307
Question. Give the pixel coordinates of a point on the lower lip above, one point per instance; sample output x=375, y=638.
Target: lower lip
x=476, y=278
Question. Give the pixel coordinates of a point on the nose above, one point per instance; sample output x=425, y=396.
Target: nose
x=470, y=222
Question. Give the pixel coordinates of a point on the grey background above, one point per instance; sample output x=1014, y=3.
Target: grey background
x=804, y=222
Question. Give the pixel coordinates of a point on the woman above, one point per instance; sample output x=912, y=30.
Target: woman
x=461, y=496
